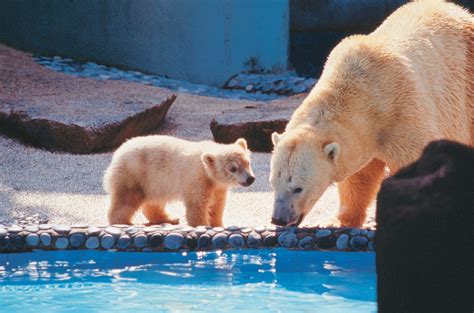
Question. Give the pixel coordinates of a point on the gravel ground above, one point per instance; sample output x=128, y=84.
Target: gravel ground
x=67, y=188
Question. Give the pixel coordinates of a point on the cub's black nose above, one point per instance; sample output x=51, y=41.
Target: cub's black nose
x=250, y=180
x=278, y=222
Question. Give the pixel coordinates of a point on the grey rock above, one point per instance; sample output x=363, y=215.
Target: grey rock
x=299, y=89
x=3, y=232
x=150, y=229
x=93, y=231
x=92, y=242
x=79, y=226
x=132, y=230
x=61, y=243
x=355, y=232
x=219, y=241
x=358, y=242
x=306, y=243
x=260, y=229
x=124, y=242
x=187, y=229
x=218, y=229
x=204, y=241
x=254, y=239
x=323, y=233
x=236, y=240
x=114, y=231
x=342, y=242
x=173, y=241
x=107, y=241
x=62, y=229
x=140, y=241
x=32, y=240
x=32, y=228
x=44, y=226
x=246, y=230
x=370, y=234
x=15, y=229
x=45, y=239
x=249, y=88
x=287, y=239
x=232, y=83
x=76, y=240
x=233, y=228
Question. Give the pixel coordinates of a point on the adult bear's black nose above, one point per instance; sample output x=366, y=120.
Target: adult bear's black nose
x=278, y=222
x=250, y=180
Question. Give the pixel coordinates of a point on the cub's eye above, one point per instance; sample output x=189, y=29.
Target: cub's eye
x=298, y=190
x=233, y=169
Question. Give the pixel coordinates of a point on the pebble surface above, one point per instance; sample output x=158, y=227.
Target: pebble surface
x=170, y=237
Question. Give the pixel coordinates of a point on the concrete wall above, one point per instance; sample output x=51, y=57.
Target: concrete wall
x=203, y=41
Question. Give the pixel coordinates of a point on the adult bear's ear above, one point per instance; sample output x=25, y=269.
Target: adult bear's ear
x=208, y=160
x=332, y=151
x=276, y=137
x=242, y=142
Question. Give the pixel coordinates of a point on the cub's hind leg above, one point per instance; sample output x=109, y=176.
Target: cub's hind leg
x=124, y=204
x=156, y=214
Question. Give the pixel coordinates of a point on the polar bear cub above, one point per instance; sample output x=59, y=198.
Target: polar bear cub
x=150, y=171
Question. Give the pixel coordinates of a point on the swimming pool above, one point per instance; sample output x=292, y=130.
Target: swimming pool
x=273, y=280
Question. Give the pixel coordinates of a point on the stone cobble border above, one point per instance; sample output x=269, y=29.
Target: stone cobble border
x=162, y=238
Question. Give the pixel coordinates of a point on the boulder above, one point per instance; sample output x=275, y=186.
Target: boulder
x=424, y=242
x=60, y=112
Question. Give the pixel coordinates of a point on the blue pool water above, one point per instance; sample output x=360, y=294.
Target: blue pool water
x=248, y=281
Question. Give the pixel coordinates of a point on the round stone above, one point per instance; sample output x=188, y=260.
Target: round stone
x=219, y=241
x=217, y=229
x=327, y=242
x=358, y=242
x=254, y=240
x=132, y=230
x=77, y=240
x=355, y=232
x=270, y=240
x=306, y=243
x=323, y=233
x=62, y=229
x=15, y=229
x=204, y=241
x=249, y=87
x=32, y=228
x=18, y=242
x=287, y=239
x=3, y=232
x=200, y=230
x=260, y=229
x=299, y=89
x=232, y=83
x=44, y=226
x=156, y=240
x=107, y=241
x=173, y=241
x=266, y=87
x=150, y=229
x=191, y=241
x=246, y=230
x=61, y=243
x=371, y=246
x=93, y=231
x=92, y=242
x=45, y=239
x=236, y=240
x=140, y=241
x=114, y=231
x=233, y=228
x=370, y=234
x=342, y=242
x=187, y=229
x=124, y=242
x=6, y=243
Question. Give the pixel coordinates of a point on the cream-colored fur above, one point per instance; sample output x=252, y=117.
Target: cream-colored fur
x=150, y=171
x=380, y=99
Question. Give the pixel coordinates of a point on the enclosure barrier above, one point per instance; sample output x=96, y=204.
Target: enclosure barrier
x=162, y=238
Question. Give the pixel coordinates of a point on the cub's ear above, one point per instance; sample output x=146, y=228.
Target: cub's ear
x=276, y=137
x=332, y=151
x=208, y=159
x=241, y=142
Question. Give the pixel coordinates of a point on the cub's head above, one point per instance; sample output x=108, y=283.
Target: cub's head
x=302, y=167
x=230, y=164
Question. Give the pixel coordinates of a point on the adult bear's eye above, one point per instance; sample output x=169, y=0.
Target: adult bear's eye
x=298, y=190
x=233, y=169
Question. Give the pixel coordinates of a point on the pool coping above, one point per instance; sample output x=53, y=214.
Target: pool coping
x=169, y=238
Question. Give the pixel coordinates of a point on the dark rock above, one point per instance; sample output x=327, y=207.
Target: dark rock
x=191, y=241
x=92, y=243
x=287, y=239
x=306, y=242
x=270, y=240
x=77, y=240
x=60, y=112
x=327, y=242
x=124, y=242
x=255, y=124
x=424, y=233
x=358, y=242
x=219, y=241
x=140, y=240
x=204, y=241
x=45, y=239
x=173, y=241
x=236, y=241
x=254, y=239
x=156, y=240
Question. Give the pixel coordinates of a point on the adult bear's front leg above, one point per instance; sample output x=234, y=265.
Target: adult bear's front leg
x=358, y=191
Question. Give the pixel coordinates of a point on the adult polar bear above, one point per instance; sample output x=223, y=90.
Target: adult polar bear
x=380, y=99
